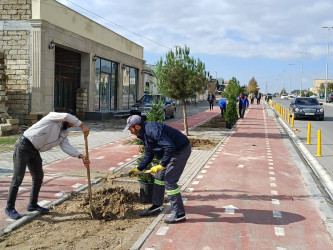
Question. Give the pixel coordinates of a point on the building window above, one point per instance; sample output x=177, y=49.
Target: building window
x=130, y=82
x=105, y=85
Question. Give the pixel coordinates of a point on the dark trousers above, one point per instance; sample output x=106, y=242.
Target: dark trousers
x=241, y=112
x=222, y=111
x=258, y=100
x=168, y=178
x=211, y=104
x=25, y=155
x=252, y=100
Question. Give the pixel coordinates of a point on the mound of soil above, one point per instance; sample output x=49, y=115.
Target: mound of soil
x=202, y=144
x=113, y=203
x=216, y=122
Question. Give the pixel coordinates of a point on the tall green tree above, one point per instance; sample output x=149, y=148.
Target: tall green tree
x=253, y=86
x=231, y=93
x=180, y=77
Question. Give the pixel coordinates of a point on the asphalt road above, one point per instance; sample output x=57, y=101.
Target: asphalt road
x=326, y=128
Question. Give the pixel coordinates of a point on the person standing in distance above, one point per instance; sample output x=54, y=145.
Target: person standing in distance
x=174, y=149
x=47, y=133
x=211, y=99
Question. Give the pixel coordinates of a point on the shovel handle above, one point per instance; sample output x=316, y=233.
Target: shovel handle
x=88, y=169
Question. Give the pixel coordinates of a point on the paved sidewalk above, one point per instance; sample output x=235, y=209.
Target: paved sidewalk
x=63, y=174
x=251, y=194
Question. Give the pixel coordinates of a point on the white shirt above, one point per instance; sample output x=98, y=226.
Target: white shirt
x=47, y=133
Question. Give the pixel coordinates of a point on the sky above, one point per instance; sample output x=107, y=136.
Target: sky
x=281, y=43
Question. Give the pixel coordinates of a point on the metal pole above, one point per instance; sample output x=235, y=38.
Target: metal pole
x=328, y=49
x=290, y=64
x=300, y=91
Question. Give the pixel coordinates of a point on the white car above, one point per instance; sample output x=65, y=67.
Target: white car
x=284, y=96
x=292, y=96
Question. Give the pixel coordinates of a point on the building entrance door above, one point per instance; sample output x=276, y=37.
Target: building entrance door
x=66, y=79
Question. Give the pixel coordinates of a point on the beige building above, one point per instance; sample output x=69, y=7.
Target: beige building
x=317, y=83
x=57, y=59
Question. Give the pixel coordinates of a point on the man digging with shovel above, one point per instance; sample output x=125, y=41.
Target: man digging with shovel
x=174, y=149
x=49, y=132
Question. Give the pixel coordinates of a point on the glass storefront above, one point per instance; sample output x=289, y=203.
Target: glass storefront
x=105, y=85
x=130, y=81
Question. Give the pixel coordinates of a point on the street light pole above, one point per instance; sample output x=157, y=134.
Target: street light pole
x=300, y=91
x=290, y=64
x=328, y=51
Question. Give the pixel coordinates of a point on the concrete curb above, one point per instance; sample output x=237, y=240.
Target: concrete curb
x=322, y=174
x=151, y=227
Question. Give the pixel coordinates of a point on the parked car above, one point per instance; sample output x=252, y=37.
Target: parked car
x=144, y=105
x=284, y=96
x=307, y=107
x=292, y=96
x=330, y=98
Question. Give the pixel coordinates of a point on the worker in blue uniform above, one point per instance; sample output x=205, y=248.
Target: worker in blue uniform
x=174, y=149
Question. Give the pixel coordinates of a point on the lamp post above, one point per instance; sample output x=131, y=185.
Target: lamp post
x=300, y=91
x=290, y=64
x=284, y=78
x=328, y=51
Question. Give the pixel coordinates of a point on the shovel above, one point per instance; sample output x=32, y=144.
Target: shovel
x=111, y=177
x=92, y=210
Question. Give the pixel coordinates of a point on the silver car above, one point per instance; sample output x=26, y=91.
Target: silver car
x=144, y=105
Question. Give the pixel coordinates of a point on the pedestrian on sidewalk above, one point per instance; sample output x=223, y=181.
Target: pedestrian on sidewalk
x=47, y=133
x=252, y=98
x=211, y=99
x=223, y=105
x=174, y=149
x=243, y=103
x=258, y=98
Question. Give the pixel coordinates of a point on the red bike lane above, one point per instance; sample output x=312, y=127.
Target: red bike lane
x=249, y=195
x=63, y=177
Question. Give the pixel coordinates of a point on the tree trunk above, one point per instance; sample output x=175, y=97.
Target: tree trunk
x=185, y=118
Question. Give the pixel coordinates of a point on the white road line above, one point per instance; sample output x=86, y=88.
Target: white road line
x=207, y=166
x=209, y=163
x=120, y=163
x=272, y=184
x=100, y=158
x=275, y=202
x=128, y=159
x=272, y=178
x=195, y=182
x=277, y=214
x=281, y=248
x=203, y=171
x=76, y=185
x=190, y=190
x=270, y=163
x=271, y=173
x=279, y=231
x=240, y=166
x=273, y=192
x=162, y=230
x=271, y=168
x=200, y=176
x=213, y=159
x=112, y=168
x=21, y=189
x=270, y=160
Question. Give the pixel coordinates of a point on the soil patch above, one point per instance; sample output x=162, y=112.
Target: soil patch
x=70, y=226
x=203, y=144
x=216, y=122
